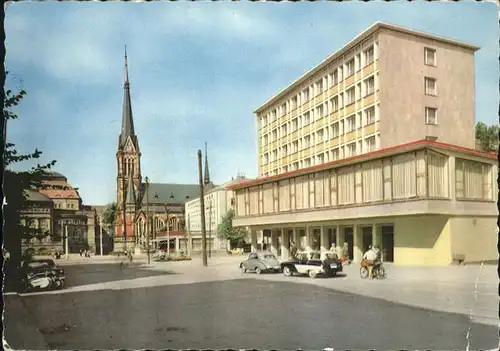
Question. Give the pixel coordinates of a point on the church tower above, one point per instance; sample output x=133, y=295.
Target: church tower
x=128, y=158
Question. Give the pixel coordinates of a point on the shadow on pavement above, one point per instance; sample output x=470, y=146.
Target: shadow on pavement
x=78, y=275
x=219, y=315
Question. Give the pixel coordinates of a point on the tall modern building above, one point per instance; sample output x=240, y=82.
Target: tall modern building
x=386, y=87
x=376, y=146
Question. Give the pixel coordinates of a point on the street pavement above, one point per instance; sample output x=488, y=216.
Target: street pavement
x=185, y=305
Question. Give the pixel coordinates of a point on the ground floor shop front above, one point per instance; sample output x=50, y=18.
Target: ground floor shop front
x=405, y=240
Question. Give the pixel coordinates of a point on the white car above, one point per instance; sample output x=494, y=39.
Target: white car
x=312, y=265
x=160, y=255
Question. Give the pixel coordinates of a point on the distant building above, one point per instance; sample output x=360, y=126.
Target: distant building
x=163, y=204
x=55, y=209
x=218, y=201
x=388, y=86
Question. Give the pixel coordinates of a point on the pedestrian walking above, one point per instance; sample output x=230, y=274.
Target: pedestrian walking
x=345, y=252
x=294, y=250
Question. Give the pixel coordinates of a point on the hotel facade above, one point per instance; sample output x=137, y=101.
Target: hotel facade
x=375, y=146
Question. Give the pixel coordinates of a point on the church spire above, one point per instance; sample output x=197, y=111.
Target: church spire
x=206, y=179
x=127, y=117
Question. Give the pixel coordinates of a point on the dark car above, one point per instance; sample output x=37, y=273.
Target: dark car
x=49, y=262
x=41, y=274
x=260, y=262
x=314, y=267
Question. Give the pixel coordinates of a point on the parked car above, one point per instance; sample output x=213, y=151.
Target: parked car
x=160, y=255
x=260, y=262
x=50, y=263
x=313, y=266
x=41, y=275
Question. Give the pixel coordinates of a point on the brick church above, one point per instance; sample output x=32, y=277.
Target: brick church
x=138, y=199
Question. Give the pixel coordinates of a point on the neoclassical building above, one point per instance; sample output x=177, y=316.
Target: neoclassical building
x=56, y=210
x=137, y=200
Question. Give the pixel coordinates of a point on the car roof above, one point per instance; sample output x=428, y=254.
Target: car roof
x=262, y=253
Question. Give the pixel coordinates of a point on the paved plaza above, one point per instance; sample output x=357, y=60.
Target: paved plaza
x=185, y=305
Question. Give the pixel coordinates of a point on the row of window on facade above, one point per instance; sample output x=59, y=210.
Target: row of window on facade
x=41, y=223
x=209, y=199
x=159, y=224
x=353, y=148
x=331, y=79
x=337, y=153
x=39, y=209
x=208, y=226
x=362, y=118
x=339, y=101
x=405, y=177
x=62, y=205
x=324, y=134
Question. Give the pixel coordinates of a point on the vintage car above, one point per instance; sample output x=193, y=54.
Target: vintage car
x=41, y=275
x=260, y=262
x=49, y=262
x=160, y=255
x=313, y=265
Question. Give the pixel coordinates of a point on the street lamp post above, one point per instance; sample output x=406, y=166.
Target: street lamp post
x=210, y=228
x=154, y=217
x=168, y=231
x=67, y=244
x=124, y=226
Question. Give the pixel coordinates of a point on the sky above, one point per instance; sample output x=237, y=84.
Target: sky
x=197, y=72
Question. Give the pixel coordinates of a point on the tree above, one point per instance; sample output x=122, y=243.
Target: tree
x=228, y=232
x=109, y=216
x=16, y=186
x=487, y=137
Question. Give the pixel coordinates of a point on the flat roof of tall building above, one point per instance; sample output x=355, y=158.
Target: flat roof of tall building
x=360, y=37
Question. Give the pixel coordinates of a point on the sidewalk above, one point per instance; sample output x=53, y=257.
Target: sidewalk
x=19, y=328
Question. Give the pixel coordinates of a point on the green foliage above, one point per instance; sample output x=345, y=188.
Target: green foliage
x=17, y=184
x=109, y=217
x=487, y=136
x=227, y=231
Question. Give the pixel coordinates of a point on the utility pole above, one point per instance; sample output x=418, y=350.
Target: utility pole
x=189, y=242
x=202, y=214
x=67, y=245
x=168, y=231
x=100, y=234
x=148, y=217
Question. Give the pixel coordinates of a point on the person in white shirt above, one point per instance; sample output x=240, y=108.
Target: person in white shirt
x=370, y=257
